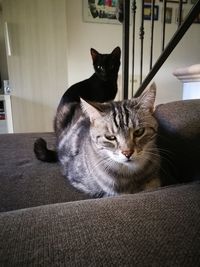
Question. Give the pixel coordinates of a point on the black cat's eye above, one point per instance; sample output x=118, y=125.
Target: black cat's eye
x=110, y=137
x=100, y=68
x=139, y=132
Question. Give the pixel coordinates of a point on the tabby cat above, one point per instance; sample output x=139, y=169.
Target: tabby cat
x=102, y=85
x=109, y=148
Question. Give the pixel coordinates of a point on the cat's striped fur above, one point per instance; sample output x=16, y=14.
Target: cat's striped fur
x=107, y=149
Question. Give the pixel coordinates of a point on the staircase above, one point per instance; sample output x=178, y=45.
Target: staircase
x=166, y=49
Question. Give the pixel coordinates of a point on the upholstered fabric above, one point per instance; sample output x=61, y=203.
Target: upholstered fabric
x=179, y=140
x=27, y=182
x=160, y=228
x=46, y=222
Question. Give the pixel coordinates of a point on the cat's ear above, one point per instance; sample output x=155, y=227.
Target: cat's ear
x=147, y=98
x=91, y=109
x=94, y=54
x=116, y=52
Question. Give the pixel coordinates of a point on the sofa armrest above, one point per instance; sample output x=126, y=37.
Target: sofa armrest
x=179, y=140
x=160, y=228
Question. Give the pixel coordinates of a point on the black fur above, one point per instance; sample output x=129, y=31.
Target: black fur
x=43, y=153
x=100, y=87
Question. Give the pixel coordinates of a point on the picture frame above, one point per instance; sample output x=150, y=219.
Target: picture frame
x=147, y=12
x=100, y=11
x=169, y=13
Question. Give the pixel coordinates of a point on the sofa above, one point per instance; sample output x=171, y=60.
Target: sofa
x=44, y=221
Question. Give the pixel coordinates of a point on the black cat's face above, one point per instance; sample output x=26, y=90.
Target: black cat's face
x=106, y=66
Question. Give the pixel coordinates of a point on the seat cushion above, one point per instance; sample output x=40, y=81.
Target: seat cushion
x=158, y=228
x=179, y=140
x=26, y=181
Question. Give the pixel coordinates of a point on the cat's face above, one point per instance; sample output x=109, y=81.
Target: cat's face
x=124, y=144
x=124, y=132
x=106, y=66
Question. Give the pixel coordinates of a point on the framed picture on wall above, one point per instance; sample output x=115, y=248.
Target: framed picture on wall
x=100, y=11
x=147, y=12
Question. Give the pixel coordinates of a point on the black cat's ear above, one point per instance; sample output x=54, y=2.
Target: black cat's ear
x=94, y=54
x=147, y=98
x=116, y=52
x=91, y=109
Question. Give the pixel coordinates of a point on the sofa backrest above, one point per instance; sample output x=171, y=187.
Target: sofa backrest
x=179, y=140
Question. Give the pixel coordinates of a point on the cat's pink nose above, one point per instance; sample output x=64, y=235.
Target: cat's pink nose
x=128, y=153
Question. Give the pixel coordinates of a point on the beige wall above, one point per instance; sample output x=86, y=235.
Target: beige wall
x=38, y=61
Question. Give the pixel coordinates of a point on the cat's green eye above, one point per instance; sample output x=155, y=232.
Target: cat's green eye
x=139, y=132
x=110, y=137
x=100, y=68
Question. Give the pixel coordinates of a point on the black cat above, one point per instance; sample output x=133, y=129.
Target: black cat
x=100, y=87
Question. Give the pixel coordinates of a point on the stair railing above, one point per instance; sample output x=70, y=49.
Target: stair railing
x=183, y=26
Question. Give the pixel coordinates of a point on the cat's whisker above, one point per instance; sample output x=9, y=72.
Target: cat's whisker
x=100, y=162
x=153, y=157
x=170, y=162
x=162, y=169
x=156, y=155
x=163, y=152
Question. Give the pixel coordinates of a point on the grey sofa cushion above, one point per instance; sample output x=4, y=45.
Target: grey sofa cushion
x=160, y=228
x=27, y=182
x=179, y=140
x=46, y=222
